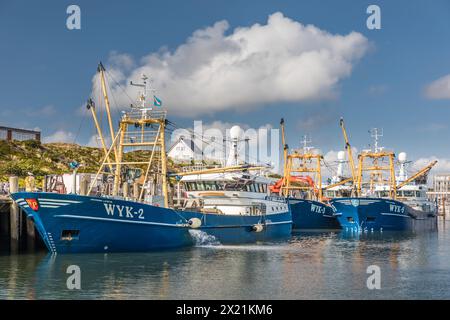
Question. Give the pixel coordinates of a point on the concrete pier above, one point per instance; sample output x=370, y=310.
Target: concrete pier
x=17, y=232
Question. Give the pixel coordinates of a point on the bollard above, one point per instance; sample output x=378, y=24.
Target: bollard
x=83, y=185
x=136, y=191
x=44, y=184
x=125, y=189
x=14, y=213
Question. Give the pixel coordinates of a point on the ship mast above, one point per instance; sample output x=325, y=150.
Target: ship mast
x=147, y=124
x=315, y=186
x=283, y=143
x=101, y=70
x=91, y=106
x=304, y=158
x=376, y=168
x=349, y=150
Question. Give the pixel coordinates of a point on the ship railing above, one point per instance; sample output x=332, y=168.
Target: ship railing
x=138, y=136
x=200, y=167
x=145, y=113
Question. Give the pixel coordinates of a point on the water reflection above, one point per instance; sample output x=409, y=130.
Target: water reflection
x=311, y=265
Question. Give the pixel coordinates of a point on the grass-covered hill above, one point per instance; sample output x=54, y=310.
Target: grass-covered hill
x=20, y=157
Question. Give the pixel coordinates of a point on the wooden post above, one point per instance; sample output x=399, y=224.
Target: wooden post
x=125, y=189
x=31, y=234
x=14, y=213
x=44, y=184
x=136, y=191
x=84, y=183
x=178, y=194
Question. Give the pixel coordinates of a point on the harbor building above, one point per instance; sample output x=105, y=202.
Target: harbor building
x=9, y=134
x=183, y=150
x=441, y=194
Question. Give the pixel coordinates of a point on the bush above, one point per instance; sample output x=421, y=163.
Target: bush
x=32, y=144
x=5, y=148
x=14, y=169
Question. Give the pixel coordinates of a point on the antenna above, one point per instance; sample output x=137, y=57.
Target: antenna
x=143, y=95
x=376, y=133
x=305, y=142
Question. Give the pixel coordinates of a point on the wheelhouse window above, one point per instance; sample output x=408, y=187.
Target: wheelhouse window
x=382, y=194
x=203, y=186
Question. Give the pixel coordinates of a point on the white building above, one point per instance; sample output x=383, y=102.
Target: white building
x=184, y=150
x=441, y=193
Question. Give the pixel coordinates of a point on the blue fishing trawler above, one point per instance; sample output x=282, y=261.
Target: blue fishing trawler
x=110, y=218
x=70, y=223
x=393, y=204
x=301, y=185
x=378, y=214
x=310, y=214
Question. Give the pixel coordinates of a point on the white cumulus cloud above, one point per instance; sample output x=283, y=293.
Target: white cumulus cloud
x=442, y=166
x=439, y=89
x=59, y=136
x=215, y=69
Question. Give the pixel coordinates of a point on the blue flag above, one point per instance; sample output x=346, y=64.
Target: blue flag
x=157, y=102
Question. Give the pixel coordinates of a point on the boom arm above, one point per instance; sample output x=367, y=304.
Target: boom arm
x=221, y=170
x=338, y=183
x=418, y=174
x=285, y=147
x=349, y=149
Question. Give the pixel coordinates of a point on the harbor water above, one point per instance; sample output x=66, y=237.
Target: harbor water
x=311, y=265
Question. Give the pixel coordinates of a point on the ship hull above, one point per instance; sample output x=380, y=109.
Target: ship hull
x=376, y=214
x=77, y=224
x=309, y=214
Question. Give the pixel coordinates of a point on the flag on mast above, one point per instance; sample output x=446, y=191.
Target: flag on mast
x=156, y=101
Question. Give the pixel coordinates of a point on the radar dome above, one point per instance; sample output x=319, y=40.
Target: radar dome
x=402, y=156
x=235, y=132
x=341, y=155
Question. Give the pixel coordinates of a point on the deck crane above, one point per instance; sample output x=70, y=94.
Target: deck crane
x=348, y=148
x=285, y=146
x=419, y=173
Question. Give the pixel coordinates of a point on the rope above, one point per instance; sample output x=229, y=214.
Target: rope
x=79, y=127
x=201, y=138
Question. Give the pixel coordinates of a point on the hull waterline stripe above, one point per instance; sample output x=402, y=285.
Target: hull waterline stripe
x=59, y=201
x=159, y=223
x=54, y=203
x=244, y=226
x=123, y=221
x=394, y=214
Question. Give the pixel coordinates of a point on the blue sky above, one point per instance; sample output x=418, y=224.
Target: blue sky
x=46, y=69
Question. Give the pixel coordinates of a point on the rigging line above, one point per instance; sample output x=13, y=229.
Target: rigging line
x=115, y=104
x=80, y=126
x=210, y=142
x=118, y=84
x=201, y=138
x=331, y=169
